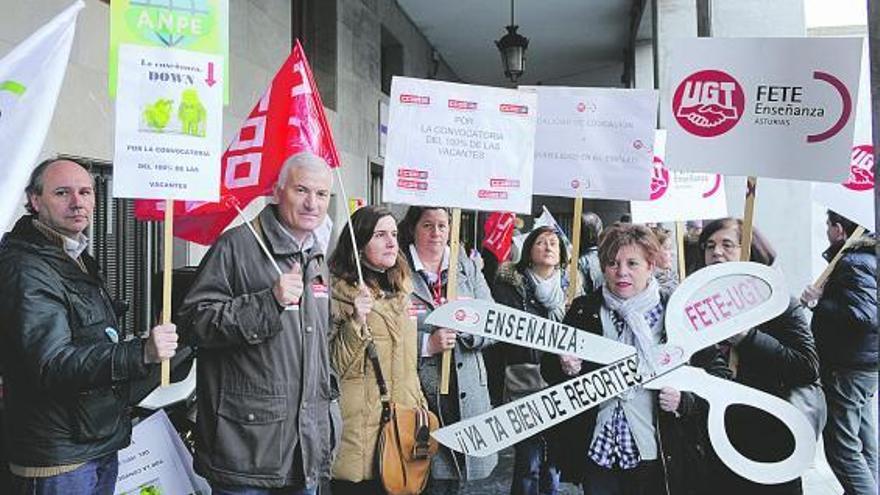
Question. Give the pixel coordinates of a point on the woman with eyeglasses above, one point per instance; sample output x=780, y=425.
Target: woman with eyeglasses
x=776, y=357
x=642, y=442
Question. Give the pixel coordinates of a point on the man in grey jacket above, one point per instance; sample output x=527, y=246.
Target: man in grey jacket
x=268, y=417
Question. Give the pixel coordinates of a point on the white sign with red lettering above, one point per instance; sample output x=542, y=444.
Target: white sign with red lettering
x=770, y=107
x=597, y=140
x=459, y=145
x=679, y=196
x=854, y=197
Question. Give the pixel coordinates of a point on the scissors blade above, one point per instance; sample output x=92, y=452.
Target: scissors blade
x=502, y=323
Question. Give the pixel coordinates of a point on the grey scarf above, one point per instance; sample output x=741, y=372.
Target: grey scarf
x=549, y=293
x=634, y=312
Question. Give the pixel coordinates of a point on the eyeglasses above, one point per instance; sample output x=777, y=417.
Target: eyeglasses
x=726, y=245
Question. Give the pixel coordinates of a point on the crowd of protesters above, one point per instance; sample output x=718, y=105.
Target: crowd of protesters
x=287, y=398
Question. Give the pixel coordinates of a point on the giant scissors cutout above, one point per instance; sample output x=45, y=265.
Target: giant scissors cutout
x=710, y=306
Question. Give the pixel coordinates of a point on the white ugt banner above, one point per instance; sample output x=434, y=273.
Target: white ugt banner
x=679, y=196
x=30, y=80
x=460, y=145
x=769, y=107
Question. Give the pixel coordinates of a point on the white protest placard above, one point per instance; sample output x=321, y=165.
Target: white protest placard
x=505, y=324
x=459, y=145
x=679, y=196
x=769, y=107
x=598, y=140
x=854, y=197
x=169, y=124
x=156, y=462
x=710, y=306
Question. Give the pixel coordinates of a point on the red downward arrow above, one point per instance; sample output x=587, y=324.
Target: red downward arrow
x=210, y=80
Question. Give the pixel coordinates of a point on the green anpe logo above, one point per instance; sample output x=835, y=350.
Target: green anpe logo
x=171, y=23
x=13, y=87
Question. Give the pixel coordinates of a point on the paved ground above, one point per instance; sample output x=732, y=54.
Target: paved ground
x=817, y=481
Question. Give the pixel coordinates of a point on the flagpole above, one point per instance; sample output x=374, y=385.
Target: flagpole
x=354, y=246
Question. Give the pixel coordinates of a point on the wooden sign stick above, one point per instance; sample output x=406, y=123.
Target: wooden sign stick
x=167, y=261
x=575, y=247
x=745, y=246
x=451, y=291
x=828, y=269
x=679, y=248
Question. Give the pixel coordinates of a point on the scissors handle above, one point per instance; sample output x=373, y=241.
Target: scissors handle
x=721, y=394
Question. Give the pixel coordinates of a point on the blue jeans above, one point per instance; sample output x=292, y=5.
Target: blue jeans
x=533, y=474
x=95, y=477
x=253, y=490
x=850, y=436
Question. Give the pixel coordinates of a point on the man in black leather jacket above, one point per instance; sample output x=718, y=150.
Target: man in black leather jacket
x=66, y=370
x=846, y=330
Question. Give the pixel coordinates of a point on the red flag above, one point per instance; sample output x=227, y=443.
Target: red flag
x=289, y=118
x=499, y=234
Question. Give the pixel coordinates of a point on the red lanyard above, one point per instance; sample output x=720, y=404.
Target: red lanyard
x=437, y=289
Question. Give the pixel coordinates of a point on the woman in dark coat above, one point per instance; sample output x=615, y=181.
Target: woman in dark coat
x=643, y=442
x=533, y=285
x=775, y=357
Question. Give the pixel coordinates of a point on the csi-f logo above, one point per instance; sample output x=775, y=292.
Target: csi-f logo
x=708, y=103
x=861, y=169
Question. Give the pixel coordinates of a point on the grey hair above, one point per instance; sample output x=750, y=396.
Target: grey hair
x=305, y=160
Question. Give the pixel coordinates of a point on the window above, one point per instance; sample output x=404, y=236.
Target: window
x=314, y=24
x=392, y=60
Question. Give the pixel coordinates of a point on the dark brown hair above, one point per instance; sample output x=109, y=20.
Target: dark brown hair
x=525, y=260
x=406, y=234
x=342, y=262
x=627, y=234
x=762, y=251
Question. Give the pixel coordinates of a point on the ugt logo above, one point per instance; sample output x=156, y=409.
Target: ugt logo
x=708, y=103
x=861, y=169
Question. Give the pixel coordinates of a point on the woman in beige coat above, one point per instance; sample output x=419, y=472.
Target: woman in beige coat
x=378, y=312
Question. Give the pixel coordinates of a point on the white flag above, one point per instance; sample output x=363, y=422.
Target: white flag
x=546, y=220
x=30, y=80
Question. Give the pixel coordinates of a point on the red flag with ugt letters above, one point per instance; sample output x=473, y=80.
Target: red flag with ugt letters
x=289, y=118
x=499, y=234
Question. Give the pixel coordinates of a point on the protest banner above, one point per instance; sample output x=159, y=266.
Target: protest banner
x=156, y=462
x=288, y=118
x=712, y=305
x=679, y=196
x=169, y=110
x=169, y=125
x=498, y=230
x=30, y=80
x=596, y=140
x=461, y=146
x=197, y=26
x=787, y=113
x=854, y=197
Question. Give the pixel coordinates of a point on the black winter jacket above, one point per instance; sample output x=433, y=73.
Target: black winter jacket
x=774, y=357
x=512, y=288
x=66, y=382
x=845, y=319
x=683, y=441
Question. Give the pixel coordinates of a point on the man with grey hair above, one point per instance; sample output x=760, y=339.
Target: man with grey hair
x=66, y=367
x=269, y=417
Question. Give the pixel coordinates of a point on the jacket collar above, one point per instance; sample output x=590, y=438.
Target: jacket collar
x=278, y=240
x=26, y=237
